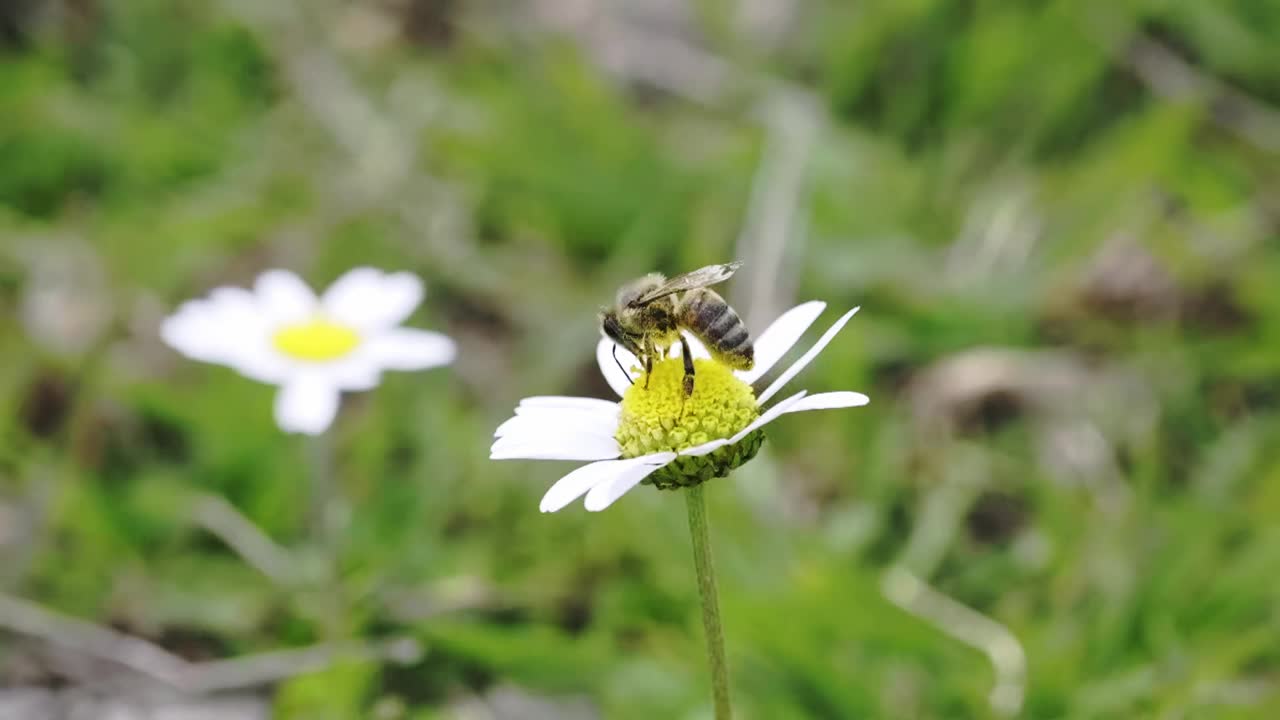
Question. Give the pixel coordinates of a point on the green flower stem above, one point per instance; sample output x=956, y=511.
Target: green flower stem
x=326, y=520
x=698, y=530
x=322, y=489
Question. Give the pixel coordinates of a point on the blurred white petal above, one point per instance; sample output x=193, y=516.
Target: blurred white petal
x=411, y=349
x=603, y=494
x=192, y=332
x=807, y=358
x=258, y=361
x=369, y=299
x=226, y=328
x=778, y=339
x=207, y=329
x=283, y=297
x=307, y=403
x=359, y=371
x=572, y=486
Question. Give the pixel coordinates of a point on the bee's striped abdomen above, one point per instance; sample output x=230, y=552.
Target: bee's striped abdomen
x=708, y=316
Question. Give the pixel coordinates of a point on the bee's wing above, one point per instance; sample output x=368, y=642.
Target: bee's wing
x=702, y=277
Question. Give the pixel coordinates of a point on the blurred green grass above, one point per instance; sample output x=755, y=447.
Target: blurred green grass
x=986, y=176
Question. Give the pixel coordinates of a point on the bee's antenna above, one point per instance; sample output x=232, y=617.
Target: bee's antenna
x=625, y=374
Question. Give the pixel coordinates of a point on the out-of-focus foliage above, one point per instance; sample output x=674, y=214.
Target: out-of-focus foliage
x=1059, y=217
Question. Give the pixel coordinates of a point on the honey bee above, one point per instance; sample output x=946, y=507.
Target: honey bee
x=650, y=312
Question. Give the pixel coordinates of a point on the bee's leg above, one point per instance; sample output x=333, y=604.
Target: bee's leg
x=648, y=363
x=688, y=366
x=625, y=373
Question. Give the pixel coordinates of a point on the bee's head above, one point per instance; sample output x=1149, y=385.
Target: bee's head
x=611, y=327
x=614, y=330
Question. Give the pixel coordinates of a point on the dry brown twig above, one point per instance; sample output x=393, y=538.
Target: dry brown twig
x=217, y=516
x=774, y=227
x=161, y=666
x=1009, y=661
x=773, y=231
x=380, y=144
x=1173, y=78
x=656, y=54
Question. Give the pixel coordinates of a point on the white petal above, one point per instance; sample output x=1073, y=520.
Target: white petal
x=602, y=416
x=411, y=349
x=306, y=404
x=700, y=351
x=565, y=446
x=791, y=404
x=807, y=358
x=603, y=494
x=529, y=432
x=553, y=422
x=572, y=486
x=370, y=299
x=559, y=425
x=786, y=406
x=283, y=297
x=705, y=448
x=827, y=401
x=780, y=337
x=768, y=416
x=565, y=401
x=617, y=379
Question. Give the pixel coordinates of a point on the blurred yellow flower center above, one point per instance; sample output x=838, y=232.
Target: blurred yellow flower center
x=662, y=418
x=316, y=340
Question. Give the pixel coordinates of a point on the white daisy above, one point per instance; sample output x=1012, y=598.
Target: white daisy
x=656, y=435
x=312, y=347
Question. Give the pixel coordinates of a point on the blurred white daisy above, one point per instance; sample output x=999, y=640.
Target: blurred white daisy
x=657, y=436
x=312, y=347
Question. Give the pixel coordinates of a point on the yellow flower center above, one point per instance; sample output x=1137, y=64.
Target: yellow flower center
x=660, y=418
x=316, y=340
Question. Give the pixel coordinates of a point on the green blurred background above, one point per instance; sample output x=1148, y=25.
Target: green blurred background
x=1060, y=218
